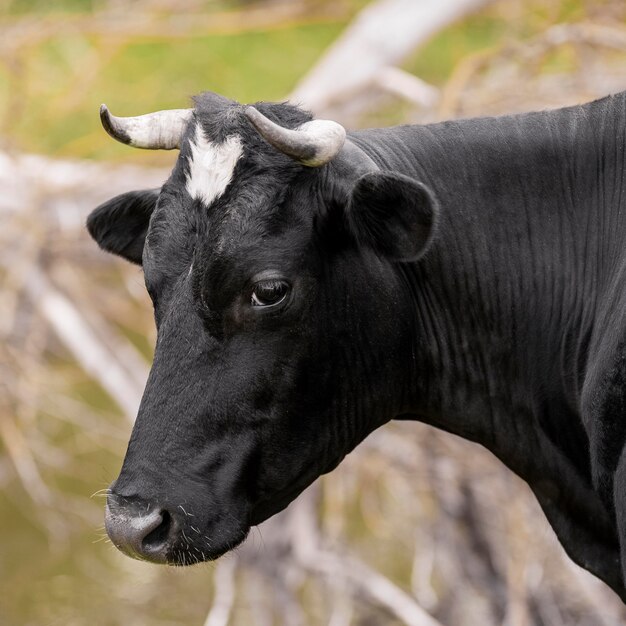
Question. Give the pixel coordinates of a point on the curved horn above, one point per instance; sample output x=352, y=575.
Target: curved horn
x=313, y=144
x=155, y=131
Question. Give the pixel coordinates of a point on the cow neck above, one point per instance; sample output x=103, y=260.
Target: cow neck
x=506, y=301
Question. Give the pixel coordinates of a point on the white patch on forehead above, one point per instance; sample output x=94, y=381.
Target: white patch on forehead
x=211, y=166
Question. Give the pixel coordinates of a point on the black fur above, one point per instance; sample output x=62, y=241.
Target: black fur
x=504, y=322
x=120, y=224
x=392, y=213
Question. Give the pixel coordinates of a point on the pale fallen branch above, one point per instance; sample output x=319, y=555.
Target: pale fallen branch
x=223, y=592
x=382, y=35
x=407, y=86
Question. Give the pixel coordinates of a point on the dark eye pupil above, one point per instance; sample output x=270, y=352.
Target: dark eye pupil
x=269, y=292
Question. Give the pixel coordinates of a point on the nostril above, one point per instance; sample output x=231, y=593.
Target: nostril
x=137, y=533
x=159, y=536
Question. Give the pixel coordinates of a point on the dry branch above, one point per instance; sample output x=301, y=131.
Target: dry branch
x=21, y=456
x=407, y=86
x=65, y=191
x=498, y=71
x=74, y=332
x=383, y=35
x=122, y=24
x=294, y=537
x=223, y=592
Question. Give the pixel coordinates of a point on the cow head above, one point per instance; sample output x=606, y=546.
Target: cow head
x=273, y=258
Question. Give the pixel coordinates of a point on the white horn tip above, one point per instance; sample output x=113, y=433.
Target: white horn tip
x=313, y=144
x=330, y=137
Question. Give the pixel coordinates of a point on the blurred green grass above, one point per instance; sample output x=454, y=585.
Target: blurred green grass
x=148, y=76
x=54, y=87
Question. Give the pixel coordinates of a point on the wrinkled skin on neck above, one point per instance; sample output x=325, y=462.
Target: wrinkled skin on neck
x=521, y=306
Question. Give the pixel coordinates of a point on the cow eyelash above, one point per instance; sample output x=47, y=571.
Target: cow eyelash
x=269, y=293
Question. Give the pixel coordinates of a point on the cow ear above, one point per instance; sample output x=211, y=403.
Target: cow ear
x=120, y=224
x=393, y=214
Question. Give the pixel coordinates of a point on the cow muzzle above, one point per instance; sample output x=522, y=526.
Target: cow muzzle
x=139, y=529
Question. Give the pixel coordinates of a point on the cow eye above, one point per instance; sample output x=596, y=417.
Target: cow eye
x=269, y=292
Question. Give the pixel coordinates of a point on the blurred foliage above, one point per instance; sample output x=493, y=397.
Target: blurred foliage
x=52, y=84
x=499, y=24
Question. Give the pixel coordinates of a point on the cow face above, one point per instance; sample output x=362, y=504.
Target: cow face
x=277, y=296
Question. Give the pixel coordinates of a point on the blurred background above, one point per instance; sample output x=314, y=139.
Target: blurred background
x=416, y=527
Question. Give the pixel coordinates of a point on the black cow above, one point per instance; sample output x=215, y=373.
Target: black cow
x=469, y=274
